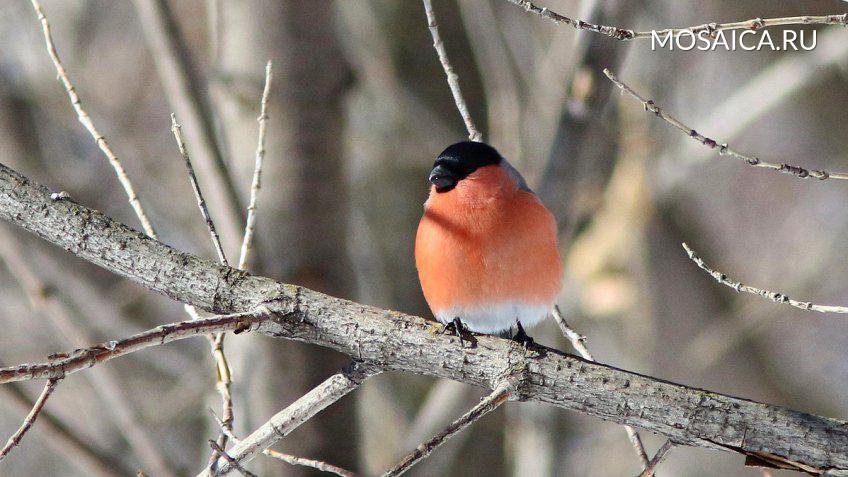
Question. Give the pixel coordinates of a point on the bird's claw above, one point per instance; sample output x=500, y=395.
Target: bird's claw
x=457, y=328
x=522, y=338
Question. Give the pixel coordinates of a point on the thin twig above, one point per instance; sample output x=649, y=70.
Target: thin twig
x=710, y=28
x=284, y=422
x=185, y=91
x=220, y=451
x=223, y=384
x=724, y=149
x=109, y=385
x=30, y=418
x=256, y=183
x=223, y=378
x=86, y=121
x=491, y=402
x=62, y=364
x=763, y=92
x=70, y=326
x=658, y=458
x=578, y=342
x=304, y=462
x=64, y=441
x=776, y=297
x=453, y=79
x=201, y=203
x=291, y=459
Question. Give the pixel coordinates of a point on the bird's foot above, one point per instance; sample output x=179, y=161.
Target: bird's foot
x=457, y=328
x=522, y=338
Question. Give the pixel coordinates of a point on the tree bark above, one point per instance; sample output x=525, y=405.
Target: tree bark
x=393, y=341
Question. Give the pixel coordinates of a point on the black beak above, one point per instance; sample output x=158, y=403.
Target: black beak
x=443, y=178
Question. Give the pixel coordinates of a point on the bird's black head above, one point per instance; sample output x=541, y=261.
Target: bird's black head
x=459, y=160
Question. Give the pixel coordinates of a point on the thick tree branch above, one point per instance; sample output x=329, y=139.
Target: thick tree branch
x=394, y=341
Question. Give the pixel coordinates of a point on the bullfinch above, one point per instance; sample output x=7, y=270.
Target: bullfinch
x=486, y=248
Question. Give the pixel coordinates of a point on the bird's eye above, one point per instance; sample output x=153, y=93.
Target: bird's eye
x=443, y=176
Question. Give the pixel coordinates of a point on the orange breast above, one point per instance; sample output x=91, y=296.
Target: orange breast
x=487, y=241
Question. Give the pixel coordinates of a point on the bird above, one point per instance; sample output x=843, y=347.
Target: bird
x=486, y=248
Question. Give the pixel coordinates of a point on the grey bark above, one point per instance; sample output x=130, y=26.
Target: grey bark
x=393, y=341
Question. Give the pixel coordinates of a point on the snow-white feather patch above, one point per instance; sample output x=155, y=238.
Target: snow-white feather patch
x=496, y=317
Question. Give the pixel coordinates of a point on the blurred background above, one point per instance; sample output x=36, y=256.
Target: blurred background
x=359, y=109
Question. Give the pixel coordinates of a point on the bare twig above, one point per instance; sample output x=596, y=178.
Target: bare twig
x=63, y=364
x=30, y=418
x=315, y=464
x=256, y=183
x=109, y=382
x=625, y=34
x=291, y=459
x=223, y=378
x=768, y=89
x=445, y=399
x=724, y=149
x=578, y=342
x=500, y=84
x=281, y=424
x=201, y=203
x=491, y=402
x=69, y=325
x=776, y=297
x=218, y=450
x=75, y=449
x=86, y=121
x=223, y=384
x=658, y=458
x=453, y=79
x=88, y=309
x=185, y=92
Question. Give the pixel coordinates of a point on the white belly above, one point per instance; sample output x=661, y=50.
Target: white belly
x=496, y=317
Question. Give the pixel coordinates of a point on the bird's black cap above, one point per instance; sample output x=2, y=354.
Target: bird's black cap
x=459, y=160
